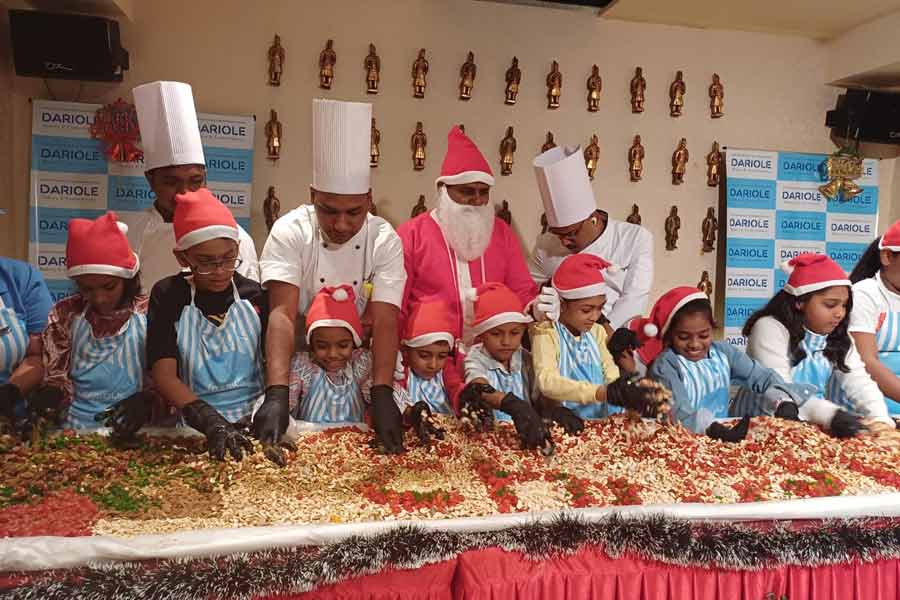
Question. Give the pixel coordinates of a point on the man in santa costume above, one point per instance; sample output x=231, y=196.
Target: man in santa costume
x=578, y=226
x=461, y=244
x=175, y=164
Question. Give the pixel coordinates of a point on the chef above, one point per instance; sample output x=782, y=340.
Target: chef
x=334, y=240
x=578, y=226
x=174, y=163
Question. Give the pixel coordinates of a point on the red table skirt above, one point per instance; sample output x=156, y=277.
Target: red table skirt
x=494, y=574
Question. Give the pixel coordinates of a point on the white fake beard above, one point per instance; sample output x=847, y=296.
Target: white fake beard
x=467, y=229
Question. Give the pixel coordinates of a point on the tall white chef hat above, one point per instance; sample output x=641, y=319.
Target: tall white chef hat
x=565, y=187
x=170, y=134
x=342, y=135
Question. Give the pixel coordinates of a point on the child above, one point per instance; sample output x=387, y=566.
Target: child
x=205, y=327
x=95, y=341
x=802, y=335
x=498, y=371
x=571, y=361
x=330, y=384
x=698, y=370
x=875, y=320
x=430, y=377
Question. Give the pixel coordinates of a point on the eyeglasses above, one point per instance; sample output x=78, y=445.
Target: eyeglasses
x=228, y=265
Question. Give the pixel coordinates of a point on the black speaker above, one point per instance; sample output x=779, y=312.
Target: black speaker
x=66, y=46
x=875, y=115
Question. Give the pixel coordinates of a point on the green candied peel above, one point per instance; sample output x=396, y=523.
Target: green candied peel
x=114, y=479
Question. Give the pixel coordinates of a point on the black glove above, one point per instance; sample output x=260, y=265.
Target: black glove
x=622, y=340
x=473, y=409
x=422, y=421
x=642, y=399
x=220, y=434
x=127, y=416
x=845, y=425
x=44, y=411
x=571, y=422
x=528, y=423
x=733, y=434
x=272, y=417
x=10, y=396
x=387, y=420
x=787, y=410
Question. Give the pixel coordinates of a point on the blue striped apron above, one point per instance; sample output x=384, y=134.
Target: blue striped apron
x=508, y=382
x=13, y=341
x=222, y=365
x=887, y=340
x=815, y=369
x=707, y=382
x=430, y=390
x=105, y=370
x=329, y=402
x=579, y=360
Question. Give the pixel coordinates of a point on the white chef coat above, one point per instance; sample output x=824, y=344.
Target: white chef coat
x=627, y=246
x=297, y=252
x=153, y=240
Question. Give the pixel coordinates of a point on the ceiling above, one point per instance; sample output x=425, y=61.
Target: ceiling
x=818, y=19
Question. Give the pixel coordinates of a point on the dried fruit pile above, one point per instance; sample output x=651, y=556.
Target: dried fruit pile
x=170, y=485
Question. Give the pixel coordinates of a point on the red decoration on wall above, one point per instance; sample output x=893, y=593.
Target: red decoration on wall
x=116, y=125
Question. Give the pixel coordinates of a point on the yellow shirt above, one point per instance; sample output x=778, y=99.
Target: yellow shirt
x=545, y=355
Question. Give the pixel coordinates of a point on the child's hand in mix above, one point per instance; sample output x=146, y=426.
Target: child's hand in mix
x=423, y=423
x=644, y=396
x=474, y=411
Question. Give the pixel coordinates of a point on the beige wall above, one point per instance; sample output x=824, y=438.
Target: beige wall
x=775, y=96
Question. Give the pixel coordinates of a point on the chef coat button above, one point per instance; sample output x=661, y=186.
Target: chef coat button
x=355, y=283
x=357, y=246
x=322, y=279
x=324, y=244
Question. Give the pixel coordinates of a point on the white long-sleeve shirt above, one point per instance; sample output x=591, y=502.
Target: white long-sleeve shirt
x=627, y=246
x=768, y=344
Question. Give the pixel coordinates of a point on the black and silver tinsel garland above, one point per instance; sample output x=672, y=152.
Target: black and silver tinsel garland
x=295, y=570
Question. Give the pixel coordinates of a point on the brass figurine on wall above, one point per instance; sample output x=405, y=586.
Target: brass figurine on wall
x=716, y=97
x=467, y=77
x=372, y=65
x=503, y=213
x=554, y=86
x=417, y=143
x=271, y=208
x=507, y=150
x=419, y=73
x=676, y=95
x=635, y=216
x=549, y=143
x=419, y=207
x=714, y=166
x=679, y=162
x=673, y=224
x=273, y=136
x=513, y=79
x=636, y=159
x=705, y=285
x=276, y=61
x=638, y=89
x=709, y=228
x=327, y=60
x=592, y=156
x=594, y=87
x=375, y=147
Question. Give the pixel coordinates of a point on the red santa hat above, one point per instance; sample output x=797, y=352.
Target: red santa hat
x=811, y=272
x=429, y=322
x=651, y=330
x=200, y=217
x=100, y=248
x=334, y=307
x=891, y=238
x=581, y=276
x=495, y=305
x=464, y=162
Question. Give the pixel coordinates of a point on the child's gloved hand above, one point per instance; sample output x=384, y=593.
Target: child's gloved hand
x=644, y=396
x=422, y=420
x=566, y=418
x=845, y=425
x=788, y=411
x=734, y=434
x=474, y=411
x=529, y=425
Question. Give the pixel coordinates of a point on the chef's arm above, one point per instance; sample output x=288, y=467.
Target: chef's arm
x=283, y=301
x=30, y=372
x=886, y=379
x=173, y=390
x=385, y=342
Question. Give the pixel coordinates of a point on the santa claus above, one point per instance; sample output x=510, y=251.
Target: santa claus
x=461, y=244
